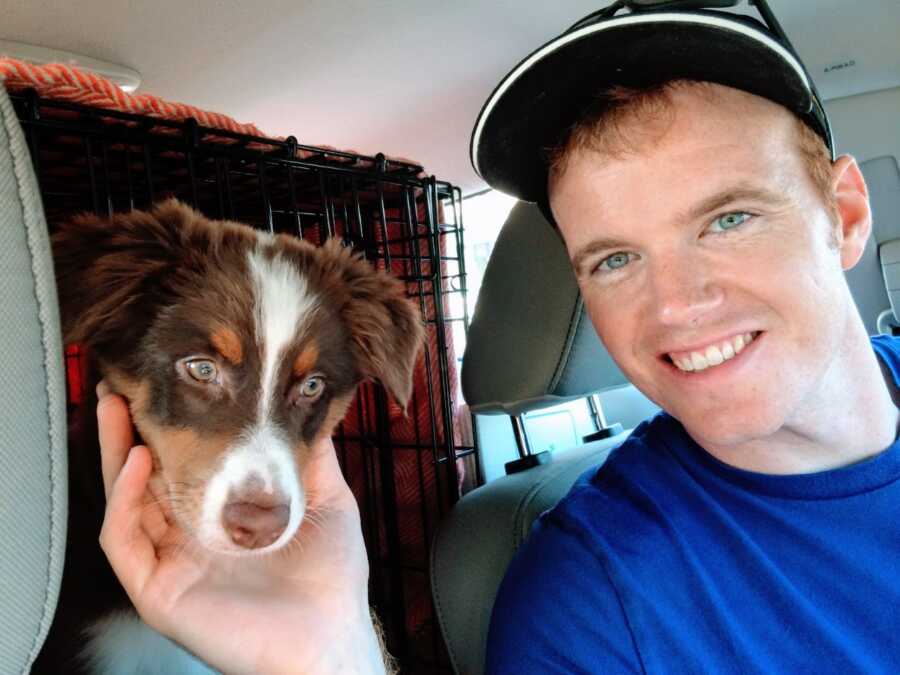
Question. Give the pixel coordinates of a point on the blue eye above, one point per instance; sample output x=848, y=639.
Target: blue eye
x=202, y=370
x=312, y=387
x=613, y=262
x=729, y=221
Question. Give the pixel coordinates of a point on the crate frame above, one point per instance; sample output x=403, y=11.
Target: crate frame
x=401, y=219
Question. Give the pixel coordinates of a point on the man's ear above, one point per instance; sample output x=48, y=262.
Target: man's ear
x=385, y=326
x=105, y=267
x=854, y=213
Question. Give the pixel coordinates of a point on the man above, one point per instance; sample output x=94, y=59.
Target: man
x=753, y=526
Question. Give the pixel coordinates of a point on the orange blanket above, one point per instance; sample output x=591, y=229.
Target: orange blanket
x=67, y=83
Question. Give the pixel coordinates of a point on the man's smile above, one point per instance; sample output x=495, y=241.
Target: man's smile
x=713, y=354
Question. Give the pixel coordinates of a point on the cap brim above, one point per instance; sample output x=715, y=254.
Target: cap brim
x=547, y=92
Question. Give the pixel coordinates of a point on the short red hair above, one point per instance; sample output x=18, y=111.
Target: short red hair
x=606, y=129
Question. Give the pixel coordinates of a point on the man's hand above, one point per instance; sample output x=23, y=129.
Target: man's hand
x=301, y=610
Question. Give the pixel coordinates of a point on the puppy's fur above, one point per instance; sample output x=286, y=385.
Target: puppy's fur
x=236, y=351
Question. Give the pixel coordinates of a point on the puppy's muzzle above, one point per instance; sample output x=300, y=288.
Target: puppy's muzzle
x=255, y=519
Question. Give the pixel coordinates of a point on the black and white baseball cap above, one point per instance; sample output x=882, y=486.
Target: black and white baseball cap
x=543, y=96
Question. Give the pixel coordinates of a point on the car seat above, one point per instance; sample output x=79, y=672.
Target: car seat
x=33, y=466
x=530, y=345
x=875, y=280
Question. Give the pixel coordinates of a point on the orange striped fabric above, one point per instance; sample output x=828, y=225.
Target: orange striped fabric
x=59, y=81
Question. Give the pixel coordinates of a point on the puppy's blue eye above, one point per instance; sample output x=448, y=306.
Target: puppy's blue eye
x=202, y=370
x=312, y=387
x=729, y=221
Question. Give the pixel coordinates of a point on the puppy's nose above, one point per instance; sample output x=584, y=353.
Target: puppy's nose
x=255, y=521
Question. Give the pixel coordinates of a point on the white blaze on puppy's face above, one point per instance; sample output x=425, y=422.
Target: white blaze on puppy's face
x=283, y=302
x=261, y=464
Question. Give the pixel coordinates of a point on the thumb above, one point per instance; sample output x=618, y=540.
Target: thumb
x=127, y=546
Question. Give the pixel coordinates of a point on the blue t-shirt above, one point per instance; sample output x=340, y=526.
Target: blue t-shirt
x=665, y=560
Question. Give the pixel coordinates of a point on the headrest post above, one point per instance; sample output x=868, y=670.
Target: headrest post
x=518, y=424
x=597, y=411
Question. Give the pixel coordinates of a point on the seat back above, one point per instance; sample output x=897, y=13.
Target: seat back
x=476, y=542
x=33, y=468
x=878, y=268
x=530, y=345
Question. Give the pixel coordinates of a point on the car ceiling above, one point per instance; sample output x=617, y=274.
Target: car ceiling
x=403, y=77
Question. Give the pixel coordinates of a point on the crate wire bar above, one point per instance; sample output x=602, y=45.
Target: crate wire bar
x=406, y=470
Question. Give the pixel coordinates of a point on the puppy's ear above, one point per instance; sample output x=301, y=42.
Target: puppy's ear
x=386, y=327
x=107, y=268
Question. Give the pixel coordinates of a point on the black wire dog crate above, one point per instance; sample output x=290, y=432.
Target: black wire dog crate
x=406, y=470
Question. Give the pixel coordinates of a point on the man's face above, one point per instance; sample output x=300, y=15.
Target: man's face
x=711, y=235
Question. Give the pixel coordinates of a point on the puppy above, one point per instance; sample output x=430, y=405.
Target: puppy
x=237, y=351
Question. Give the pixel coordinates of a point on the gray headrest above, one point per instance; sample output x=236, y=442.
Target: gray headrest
x=530, y=343
x=32, y=410
x=867, y=279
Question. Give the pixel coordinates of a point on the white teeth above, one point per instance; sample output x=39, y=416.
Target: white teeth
x=727, y=351
x=713, y=355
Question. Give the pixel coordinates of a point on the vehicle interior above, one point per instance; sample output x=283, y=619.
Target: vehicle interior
x=353, y=120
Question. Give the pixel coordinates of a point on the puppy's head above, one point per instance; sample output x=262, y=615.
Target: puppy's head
x=236, y=350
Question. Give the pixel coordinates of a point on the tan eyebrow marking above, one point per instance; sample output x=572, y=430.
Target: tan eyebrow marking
x=228, y=344
x=306, y=359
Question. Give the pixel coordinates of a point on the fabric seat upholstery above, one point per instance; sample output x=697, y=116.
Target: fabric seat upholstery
x=33, y=468
x=866, y=279
x=530, y=346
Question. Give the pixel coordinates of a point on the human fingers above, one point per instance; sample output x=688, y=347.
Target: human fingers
x=116, y=437
x=323, y=472
x=127, y=546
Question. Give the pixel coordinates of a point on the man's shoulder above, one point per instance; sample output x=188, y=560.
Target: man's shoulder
x=888, y=348
x=561, y=578
x=642, y=457
x=630, y=486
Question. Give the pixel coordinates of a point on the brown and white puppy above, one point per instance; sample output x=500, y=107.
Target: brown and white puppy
x=237, y=351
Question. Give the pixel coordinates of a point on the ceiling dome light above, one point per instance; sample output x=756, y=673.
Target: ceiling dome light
x=127, y=78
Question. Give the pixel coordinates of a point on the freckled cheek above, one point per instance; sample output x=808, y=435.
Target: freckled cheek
x=789, y=287
x=183, y=462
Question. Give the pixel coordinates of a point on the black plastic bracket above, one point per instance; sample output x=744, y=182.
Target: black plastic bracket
x=608, y=432
x=526, y=462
